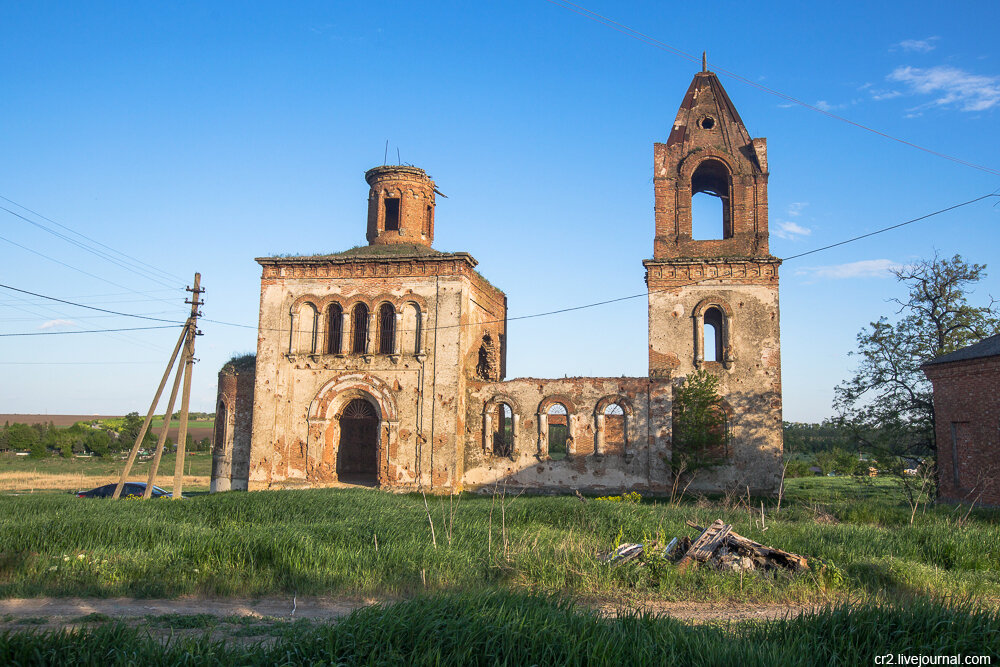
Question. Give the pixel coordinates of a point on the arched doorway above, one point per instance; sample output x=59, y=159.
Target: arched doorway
x=357, y=451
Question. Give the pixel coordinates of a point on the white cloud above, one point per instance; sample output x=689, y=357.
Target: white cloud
x=867, y=268
x=795, y=208
x=790, y=230
x=51, y=324
x=919, y=45
x=951, y=86
x=57, y=323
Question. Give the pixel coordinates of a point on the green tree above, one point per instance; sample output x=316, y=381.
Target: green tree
x=98, y=442
x=129, y=431
x=22, y=437
x=887, y=404
x=699, y=424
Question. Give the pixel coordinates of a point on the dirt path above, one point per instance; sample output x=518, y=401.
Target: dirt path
x=55, y=612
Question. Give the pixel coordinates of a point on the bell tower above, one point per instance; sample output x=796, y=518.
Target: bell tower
x=400, y=205
x=713, y=302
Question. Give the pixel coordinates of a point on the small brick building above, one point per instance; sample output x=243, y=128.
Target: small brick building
x=967, y=422
x=385, y=364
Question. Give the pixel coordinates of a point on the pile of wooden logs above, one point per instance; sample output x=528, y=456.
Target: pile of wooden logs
x=717, y=545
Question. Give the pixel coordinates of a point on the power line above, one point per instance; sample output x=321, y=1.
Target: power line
x=886, y=229
x=648, y=292
x=107, y=247
x=85, y=331
x=80, y=305
x=75, y=363
x=652, y=41
x=83, y=246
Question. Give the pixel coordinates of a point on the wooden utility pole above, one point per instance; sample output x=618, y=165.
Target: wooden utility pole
x=149, y=415
x=192, y=326
x=186, y=341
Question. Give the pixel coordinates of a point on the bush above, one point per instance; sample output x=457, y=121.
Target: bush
x=99, y=443
x=797, y=468
x=22, y=437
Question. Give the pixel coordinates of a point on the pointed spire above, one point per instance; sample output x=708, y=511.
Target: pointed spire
x=704, y=61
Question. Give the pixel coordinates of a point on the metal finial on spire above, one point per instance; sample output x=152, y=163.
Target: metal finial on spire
x=704, y=61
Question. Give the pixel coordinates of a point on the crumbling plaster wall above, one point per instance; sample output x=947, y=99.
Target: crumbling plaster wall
x=644, y=464
x=420, y=397
x=232, y=435
x=750, y=384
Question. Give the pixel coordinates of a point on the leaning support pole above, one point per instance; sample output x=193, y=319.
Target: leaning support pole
x=186, y=393
x=166, y=427
x=149, y=415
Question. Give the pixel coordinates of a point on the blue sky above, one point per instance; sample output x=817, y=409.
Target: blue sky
x=197, y=136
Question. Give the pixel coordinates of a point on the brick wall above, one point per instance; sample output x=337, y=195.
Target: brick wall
x=967, y=423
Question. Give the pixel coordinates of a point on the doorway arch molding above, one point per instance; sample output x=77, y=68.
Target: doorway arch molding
x=324, y=423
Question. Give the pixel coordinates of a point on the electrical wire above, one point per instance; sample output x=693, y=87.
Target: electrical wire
x=95, y=241
x=81, y=305
x=98, y=253
x=648, y=292
x=85, y=331
x=652, y=41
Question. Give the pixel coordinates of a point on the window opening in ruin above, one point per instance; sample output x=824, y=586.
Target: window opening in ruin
x=391, y=214
x=428, y=217
x=221, y=427
x=335, y=323
x=558, y=425
x=386, y=329
x=712, y=335
x=314, y=334
x=711, y=217
x=486, y=366
x=357, y=452
x=359, y=325
x=614, y=429
x=503, y=430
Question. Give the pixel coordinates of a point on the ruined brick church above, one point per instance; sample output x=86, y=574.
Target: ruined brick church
x=384, y=364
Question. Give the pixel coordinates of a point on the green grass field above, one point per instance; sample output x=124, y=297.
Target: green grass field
x=511, y=629
x=323, y=542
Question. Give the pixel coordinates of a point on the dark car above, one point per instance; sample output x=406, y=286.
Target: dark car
x=130, y=490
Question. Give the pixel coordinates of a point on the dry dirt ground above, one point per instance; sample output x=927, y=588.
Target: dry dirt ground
x=47, y=613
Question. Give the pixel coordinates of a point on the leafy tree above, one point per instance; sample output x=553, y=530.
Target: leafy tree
x=98, y=442
x=21, y=437
x=129, y=431
x=699, y=429
x=887, y=405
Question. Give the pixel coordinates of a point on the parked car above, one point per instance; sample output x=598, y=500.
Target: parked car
x=130, y=490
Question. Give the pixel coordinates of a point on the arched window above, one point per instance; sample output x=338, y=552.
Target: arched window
x=359, y=327
x=307, y=325
x=558, y=431
x=503, y=430
x=615, y=437
x=222, y=428
x=712, y=335
x=334, y=328
x=711, y=212
x=386, y=329
x=410, y=333
x=612, y=417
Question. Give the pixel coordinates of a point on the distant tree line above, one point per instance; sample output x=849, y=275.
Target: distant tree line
x=109, y=437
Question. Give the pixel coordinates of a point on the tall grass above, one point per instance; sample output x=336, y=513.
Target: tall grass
x=322, y=542
x=512, y=629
